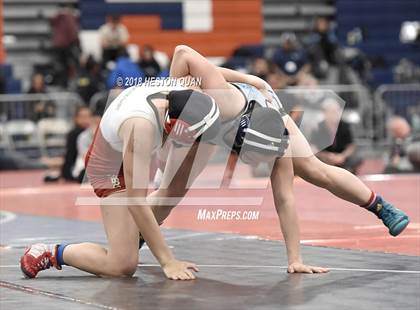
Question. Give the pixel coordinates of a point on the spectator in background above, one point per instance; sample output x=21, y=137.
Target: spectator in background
x=404, y=154
x=2, y=83
x=277, y=80
x=342, y=151
x=261, y=67
x=82, y=120
x=240, y=59
x=148, y=63
x=41, y=109
x=126, y=73
x=84, y=140
x=291, y=58
x=322, y=46
x=65, y=39
x=89, y=80
x=326, y=39
x=413, y=152
x=113, y=38
x=37, y=84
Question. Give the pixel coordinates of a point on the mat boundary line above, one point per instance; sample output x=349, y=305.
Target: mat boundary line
x=34, y=291
x=285, y=267
x=269, y=267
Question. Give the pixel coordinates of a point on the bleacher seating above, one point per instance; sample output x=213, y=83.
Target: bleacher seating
x=162, y=24
x=4, y=138
x=52, y=136
x=26, y=23
x=46, y=138
x=288, y=15
x=381, y=22
x=12, y=85
x=23, y=137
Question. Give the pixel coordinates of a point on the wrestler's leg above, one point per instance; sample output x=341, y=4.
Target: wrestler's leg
x=121, y=256
x=342, y=183
x=338, y=181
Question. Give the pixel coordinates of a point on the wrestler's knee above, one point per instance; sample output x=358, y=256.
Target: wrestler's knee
x=123, y=267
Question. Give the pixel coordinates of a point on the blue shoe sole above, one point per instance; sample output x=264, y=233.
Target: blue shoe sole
x=399, y=227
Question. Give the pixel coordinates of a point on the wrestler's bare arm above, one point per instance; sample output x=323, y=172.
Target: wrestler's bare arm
x=282, y=185
x=236, y=76
x=187, y=61
x=239, y=77
x=138, y=135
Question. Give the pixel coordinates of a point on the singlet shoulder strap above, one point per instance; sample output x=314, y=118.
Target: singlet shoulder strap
x=249, y=104
x=149, y=99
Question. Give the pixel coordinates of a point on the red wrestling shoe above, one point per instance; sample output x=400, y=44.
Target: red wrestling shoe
x=38, y=257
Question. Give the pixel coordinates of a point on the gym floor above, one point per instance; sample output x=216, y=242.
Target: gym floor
x=242, y=263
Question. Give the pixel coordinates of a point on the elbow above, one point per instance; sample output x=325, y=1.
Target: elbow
x=182, y=51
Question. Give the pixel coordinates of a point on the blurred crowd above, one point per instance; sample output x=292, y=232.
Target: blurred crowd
x=83, y=74
x=295, y=62
x=306, y=60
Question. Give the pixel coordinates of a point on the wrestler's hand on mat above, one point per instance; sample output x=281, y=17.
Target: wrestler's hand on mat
x=179, y=270
x=299, y=267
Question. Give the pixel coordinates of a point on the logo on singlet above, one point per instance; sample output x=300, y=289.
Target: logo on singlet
x=115, y=181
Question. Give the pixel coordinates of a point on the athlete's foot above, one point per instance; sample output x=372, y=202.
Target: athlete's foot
x=38, y=257
x=393, y=218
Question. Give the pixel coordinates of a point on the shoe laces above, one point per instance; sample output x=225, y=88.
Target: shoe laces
x=44, y=263
x=388, y=212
